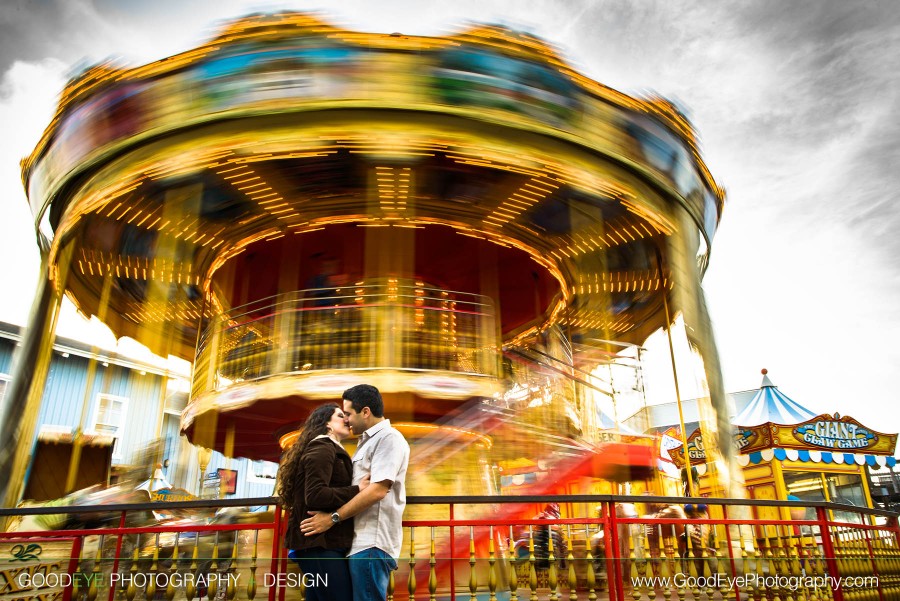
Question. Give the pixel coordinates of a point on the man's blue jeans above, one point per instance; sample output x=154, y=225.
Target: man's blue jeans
x=370, y=570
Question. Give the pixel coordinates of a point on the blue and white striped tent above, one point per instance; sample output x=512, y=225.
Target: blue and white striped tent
x=772, y=405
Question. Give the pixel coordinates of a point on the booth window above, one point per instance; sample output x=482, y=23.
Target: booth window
x=846, y=489
x=109, y=419
x=806, y=486
x=262, y=471
x=841, y=488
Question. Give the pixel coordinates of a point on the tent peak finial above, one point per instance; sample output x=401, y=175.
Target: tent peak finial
x=771, y=405
x=766, y=382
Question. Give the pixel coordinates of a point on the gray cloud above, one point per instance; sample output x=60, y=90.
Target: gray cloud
x=33, y=31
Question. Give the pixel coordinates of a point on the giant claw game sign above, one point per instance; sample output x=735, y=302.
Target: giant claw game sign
x=745, y=440
x=836, y=433
x=695, y=449
x=823, y=432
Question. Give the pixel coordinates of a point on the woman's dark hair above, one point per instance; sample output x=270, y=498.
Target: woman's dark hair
x=316, y=425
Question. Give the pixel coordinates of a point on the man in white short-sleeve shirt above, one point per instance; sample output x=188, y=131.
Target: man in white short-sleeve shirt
x=382, y=454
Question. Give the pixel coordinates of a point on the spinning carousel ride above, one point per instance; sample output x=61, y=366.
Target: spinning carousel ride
x=465, y=221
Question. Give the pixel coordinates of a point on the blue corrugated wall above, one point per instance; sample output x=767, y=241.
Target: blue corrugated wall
x=64, y=401
x=6, y=351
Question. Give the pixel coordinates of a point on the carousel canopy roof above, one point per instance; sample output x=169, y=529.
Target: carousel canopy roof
x=771, y=405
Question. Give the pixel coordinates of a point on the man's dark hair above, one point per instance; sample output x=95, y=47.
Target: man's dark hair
x=365, y=395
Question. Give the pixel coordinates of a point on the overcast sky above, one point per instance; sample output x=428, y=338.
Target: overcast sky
x=797, y=105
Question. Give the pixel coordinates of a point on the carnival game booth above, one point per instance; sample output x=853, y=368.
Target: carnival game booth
x=816, y=458
x=787, y=453
x=790, y=457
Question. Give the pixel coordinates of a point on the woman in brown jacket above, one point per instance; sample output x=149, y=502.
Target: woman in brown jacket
x=316, y=475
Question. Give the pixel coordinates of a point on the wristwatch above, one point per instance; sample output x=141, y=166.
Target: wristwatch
x=335, y=517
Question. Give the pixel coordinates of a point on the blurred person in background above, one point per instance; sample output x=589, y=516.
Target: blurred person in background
x=628, y=536
x=669, y=532
x=543, y=535
x=700, y=537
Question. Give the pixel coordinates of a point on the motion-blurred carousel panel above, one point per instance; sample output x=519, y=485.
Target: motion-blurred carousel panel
x=466, y=222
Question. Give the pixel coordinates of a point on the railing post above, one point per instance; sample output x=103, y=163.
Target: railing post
x=828, y=549
x=614, y=577
x=737, y=589
x=872, y=561
x=276, y=546
x=432, y=569
x=173, y=570
x=492, y=568
x=97, y=574
x=452, y=556
x=251, y=584
x=513, y=568
x=590, y=561
x=115, y=568
x=191, y=588
x=283, y=565
x=473, y=579
x=572, y=577
x=532, y=572
x=72, y=569
x=411, y=579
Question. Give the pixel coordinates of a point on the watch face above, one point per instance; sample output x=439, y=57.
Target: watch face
x=335, y=518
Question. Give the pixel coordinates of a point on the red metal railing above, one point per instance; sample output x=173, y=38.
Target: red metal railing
x=642, y=547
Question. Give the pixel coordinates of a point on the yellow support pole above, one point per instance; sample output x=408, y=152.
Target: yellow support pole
x=19, y=411
x=684, y=444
